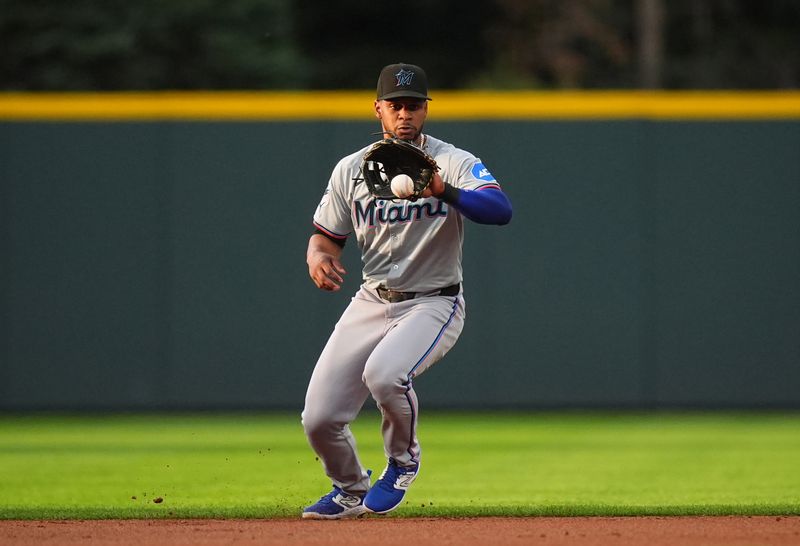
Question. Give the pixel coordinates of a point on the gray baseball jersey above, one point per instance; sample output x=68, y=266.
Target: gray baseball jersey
x=406, y=246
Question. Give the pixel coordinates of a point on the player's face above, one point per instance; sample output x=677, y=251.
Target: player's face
x=402, y=116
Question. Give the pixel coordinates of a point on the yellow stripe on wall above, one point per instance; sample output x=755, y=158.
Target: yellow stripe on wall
x=357, y=106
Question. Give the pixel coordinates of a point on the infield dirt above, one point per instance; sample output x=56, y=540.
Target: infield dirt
x=619, y=531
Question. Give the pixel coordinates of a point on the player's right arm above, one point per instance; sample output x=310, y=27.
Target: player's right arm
x=324, y=266
x=333, y=223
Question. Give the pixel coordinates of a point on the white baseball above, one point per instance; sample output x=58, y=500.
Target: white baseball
x=402, y=185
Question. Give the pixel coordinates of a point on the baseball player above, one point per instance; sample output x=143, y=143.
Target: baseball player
x=409, y=310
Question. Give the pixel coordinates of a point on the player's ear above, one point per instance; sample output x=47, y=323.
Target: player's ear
x=378, y=109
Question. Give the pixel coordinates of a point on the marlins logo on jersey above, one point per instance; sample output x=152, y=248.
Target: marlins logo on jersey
x=387, y=212
x=325, y=197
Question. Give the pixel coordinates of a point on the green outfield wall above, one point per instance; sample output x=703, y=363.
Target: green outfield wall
x=158, y=261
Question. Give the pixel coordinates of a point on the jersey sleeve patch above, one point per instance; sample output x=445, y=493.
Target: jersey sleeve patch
x=480, y=172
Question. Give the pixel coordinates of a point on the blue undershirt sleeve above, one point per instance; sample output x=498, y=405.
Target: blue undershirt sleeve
x=489, y=206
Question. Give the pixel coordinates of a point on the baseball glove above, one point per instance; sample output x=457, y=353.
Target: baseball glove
x=391, y=157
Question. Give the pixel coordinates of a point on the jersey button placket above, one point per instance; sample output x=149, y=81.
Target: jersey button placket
x=394, y=239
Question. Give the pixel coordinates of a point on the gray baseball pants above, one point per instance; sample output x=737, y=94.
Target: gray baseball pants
x=377, y=348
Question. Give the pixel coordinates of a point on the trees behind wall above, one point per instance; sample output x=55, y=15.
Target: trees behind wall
x=318, y=44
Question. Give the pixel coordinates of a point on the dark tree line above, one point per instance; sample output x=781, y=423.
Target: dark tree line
x=316, y=44
x=148, y=44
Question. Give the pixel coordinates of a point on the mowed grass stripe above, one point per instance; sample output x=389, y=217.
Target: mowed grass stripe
x=260, y=465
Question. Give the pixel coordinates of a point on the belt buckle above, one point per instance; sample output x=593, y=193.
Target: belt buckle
x=395, y=297
x=392, y=296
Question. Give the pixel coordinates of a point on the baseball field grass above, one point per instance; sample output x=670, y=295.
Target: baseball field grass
x=474, y=464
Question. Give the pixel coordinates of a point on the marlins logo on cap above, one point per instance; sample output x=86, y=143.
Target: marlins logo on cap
x=402, y=80
x=404, y=77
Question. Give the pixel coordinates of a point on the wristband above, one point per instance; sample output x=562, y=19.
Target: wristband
x=450, y=195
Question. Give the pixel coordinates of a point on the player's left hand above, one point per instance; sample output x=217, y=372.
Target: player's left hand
x=385, y=160
x=436, y=187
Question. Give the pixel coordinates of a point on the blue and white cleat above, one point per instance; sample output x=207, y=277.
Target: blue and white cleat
x=336, y=505
x=391, y=487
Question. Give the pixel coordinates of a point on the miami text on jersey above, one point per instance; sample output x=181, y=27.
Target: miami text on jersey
x=387, y=212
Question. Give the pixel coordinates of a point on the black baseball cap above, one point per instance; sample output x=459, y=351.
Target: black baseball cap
x=402, y=80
